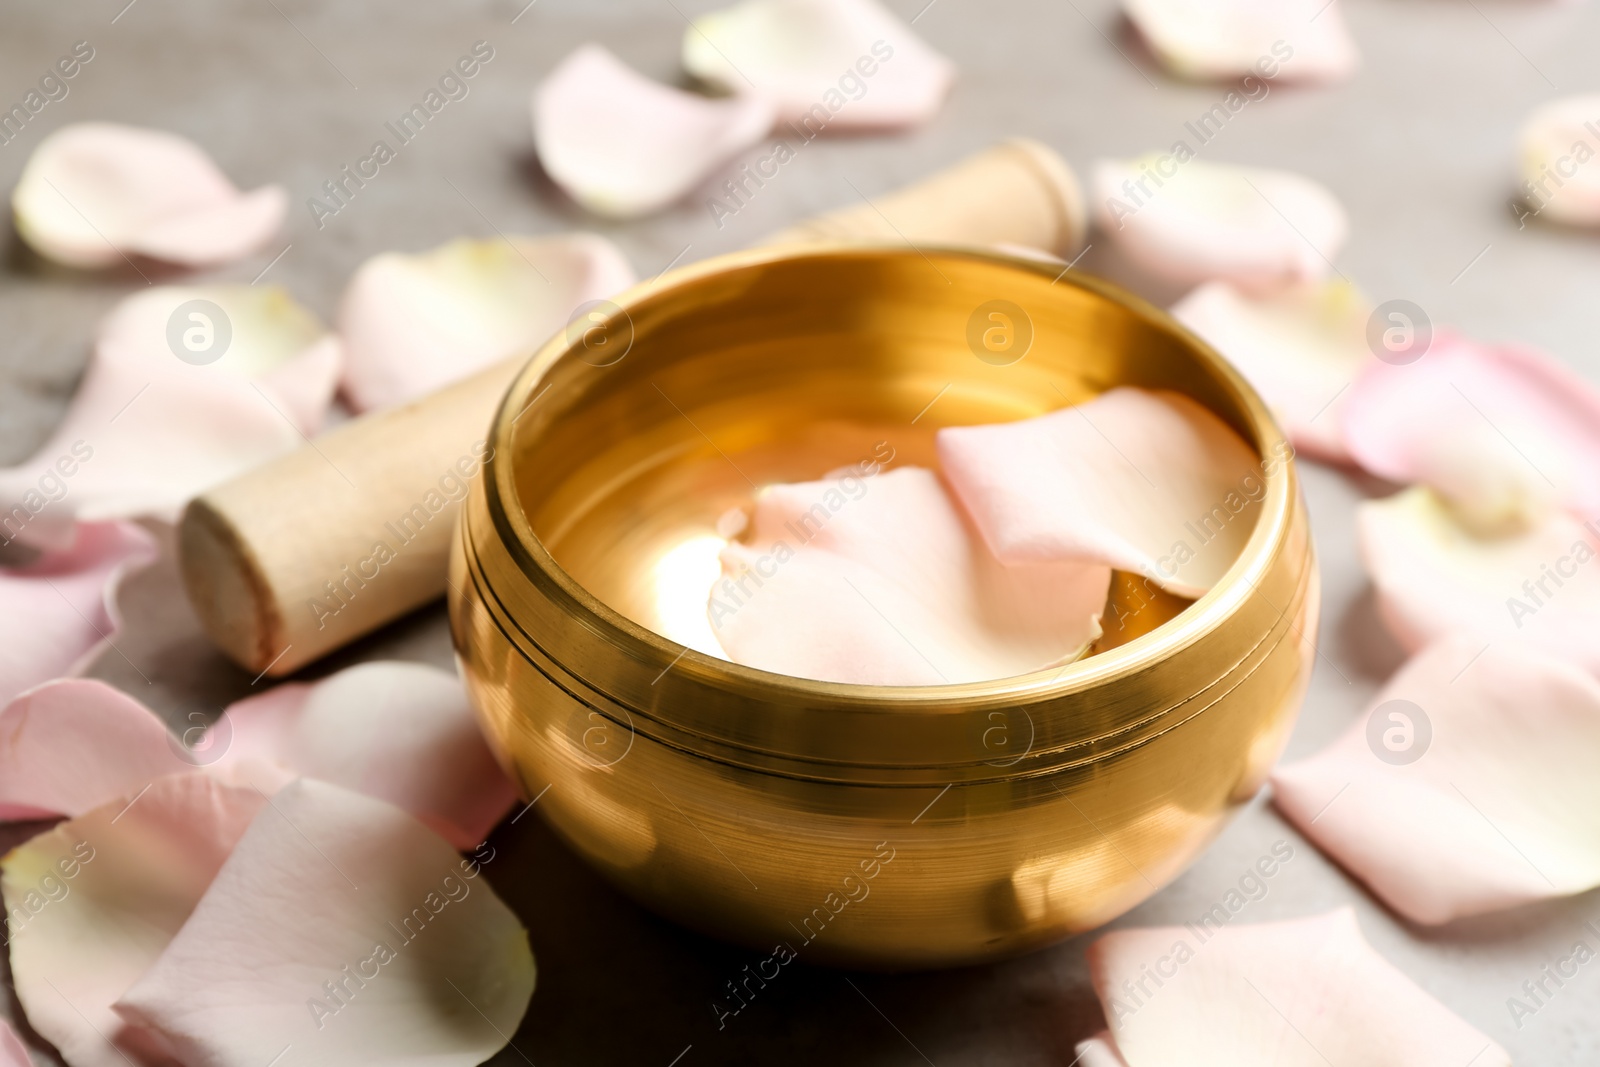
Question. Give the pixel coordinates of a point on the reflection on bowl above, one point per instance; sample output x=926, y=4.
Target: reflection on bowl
x=993, y=817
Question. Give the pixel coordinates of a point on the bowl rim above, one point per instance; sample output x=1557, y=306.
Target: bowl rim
x=1200, y=618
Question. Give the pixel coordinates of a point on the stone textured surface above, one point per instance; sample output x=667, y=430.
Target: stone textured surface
x=1419, y=146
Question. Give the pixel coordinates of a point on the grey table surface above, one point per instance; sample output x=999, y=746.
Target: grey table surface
x=1419, y=146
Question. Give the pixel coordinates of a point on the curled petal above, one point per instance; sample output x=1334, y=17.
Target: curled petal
x=1468, y=786
x=61, y=608
x=414, y=323
x=402, y=732
x=1148, y=482
x=346, y=929
x=1556, y=145
x=1301, y=347
x=93, y=902
x=622, y=145
x=186, y=387
x=70, y=746
x=824, y=63
x=1435, y=575
x=880, y=580
x=1189, y=221
x=1295, y=40
x=1304, y=991
x=93, y=192
x=1505, y=433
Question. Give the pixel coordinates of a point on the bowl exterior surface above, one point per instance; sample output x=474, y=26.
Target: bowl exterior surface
x=852, y=825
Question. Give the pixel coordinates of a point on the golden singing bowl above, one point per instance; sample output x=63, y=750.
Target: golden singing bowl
x=847, y=824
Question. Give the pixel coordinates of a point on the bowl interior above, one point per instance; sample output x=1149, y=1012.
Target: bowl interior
x=656, y=420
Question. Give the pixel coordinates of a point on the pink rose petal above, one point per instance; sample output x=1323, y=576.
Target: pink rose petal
x=1148, y=482
x=412, y=324
x=1505, y=433
x=398, y=731
x=1299, y=992
x=1191, y=222
x=93, y=192
x=216, y=234
x=346, y=930
x=401, y=732
x=61, y=608
x=302, y=387
x=1556, y=144
x=70, y=746
x=1435, y=575
x=839, y=64
x=148, y=430
x=1469, y=786
x=1301, y=347
x=12, y=1052
x=93, y=902
x=1221, y=40
x=879, y=580
x=622, y=145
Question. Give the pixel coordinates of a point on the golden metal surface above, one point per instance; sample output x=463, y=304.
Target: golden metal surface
x=860, y=825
